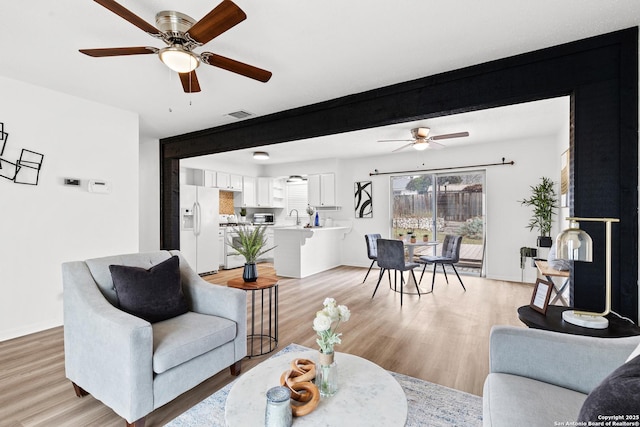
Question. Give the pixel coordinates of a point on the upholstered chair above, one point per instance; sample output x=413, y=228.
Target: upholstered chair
x=450, y=256
x=134, y=365
x=391, y=257
x=372, y=250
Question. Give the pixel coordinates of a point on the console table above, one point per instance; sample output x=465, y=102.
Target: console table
x=261, y=338
x=618, y=327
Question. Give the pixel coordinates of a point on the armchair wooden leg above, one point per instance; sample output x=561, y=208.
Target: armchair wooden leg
x=80, y=392
x=138, y=423
x=236, y=368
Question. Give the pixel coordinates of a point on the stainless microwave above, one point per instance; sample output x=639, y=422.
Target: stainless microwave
x=263, y=218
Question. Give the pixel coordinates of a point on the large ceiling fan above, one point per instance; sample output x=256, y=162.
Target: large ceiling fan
x=421, y=139
x=182, y=34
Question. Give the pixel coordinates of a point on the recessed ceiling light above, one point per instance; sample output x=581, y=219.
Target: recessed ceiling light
x=261, y=155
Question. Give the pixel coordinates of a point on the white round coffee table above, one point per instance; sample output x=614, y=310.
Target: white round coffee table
x=367, y=394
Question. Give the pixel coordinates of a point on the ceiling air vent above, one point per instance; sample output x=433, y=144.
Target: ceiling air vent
x=240, y=114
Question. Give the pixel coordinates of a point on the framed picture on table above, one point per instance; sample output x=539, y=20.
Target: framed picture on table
x=541, y=295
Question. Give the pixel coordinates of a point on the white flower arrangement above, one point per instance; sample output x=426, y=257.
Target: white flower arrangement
x=323, y=324
x=309, y=210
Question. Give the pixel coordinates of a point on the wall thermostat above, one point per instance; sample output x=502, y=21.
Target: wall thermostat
x=99, y=186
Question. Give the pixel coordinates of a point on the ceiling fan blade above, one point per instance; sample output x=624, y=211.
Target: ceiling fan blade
x=126, y=14
x=435, y=146
x=236, y=66
x=223, y=17
x=190, y=82
x=403, y=147
x=450, y=135
x=395, y=140
x=118, y=51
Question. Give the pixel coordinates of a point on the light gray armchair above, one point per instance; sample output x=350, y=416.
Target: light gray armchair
x=538, y=378
x=134, y=366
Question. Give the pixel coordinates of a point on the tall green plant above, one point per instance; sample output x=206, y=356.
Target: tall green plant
x=251, y=242
x=544, y=200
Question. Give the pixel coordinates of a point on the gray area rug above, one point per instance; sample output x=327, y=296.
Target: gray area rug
x=429, y=404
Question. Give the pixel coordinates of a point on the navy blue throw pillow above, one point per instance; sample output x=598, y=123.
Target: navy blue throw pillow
x=617, y=395
x=154, y=294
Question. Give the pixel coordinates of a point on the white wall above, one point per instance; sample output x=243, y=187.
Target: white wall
x=505, y=185
x=149, y=194
x=45, y=225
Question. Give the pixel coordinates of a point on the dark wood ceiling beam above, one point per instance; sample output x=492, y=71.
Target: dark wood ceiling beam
x=600, y=74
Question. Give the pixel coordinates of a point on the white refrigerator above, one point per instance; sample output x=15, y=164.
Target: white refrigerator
x=199, y=208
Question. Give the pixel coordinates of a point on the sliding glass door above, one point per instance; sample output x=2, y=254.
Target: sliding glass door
x=434, y=205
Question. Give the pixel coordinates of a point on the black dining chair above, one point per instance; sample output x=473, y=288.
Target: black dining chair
x=372, y=250
x=450, y=256
x=391, y=257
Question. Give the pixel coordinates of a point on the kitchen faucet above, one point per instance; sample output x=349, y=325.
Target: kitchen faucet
x=297, y=216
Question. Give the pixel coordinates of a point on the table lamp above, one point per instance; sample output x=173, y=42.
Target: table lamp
x=576, y=245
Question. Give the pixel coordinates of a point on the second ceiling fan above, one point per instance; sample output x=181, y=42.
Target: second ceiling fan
x=182, y=34
x=421, y=139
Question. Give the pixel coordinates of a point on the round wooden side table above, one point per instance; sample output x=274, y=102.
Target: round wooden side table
x=262, y=338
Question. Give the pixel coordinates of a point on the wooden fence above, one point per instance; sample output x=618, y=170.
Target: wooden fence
x=452, y=205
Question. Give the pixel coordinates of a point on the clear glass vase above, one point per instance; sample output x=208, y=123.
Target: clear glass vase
x=327, y=375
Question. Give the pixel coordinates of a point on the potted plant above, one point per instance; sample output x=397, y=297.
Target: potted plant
x=544, y=201
x=243, y=214
x=250, y=244
x=425, y=237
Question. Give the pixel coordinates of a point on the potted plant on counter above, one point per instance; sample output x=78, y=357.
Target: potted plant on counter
x=250, y=244
x=243, y=214
x=544, y=201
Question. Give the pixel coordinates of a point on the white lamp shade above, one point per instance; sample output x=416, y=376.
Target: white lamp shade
x=574, y=244
x=178, y=59
x=420, y=145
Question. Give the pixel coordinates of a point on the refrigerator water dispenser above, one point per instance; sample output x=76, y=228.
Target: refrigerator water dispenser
x=186, y=216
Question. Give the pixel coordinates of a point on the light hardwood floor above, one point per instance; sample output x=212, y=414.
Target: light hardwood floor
x=441, y=337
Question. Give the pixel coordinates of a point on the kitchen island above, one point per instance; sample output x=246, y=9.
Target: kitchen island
x=301, y=252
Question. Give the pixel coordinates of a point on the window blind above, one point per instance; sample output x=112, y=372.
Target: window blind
x=297, y=198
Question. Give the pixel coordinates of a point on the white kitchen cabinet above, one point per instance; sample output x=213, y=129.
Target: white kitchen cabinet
x=235, y=182
x=322, y=189
x=265, y=192
x=269, y=234
x=222, y=180
x=209, y=179
x=228, y=181
x=248, y=195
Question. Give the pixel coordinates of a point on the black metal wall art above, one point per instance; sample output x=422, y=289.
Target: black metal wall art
x=363, y=201
x=26, y=170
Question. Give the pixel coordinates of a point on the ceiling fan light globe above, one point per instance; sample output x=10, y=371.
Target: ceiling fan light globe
x=179, y=59
x=420, y=146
